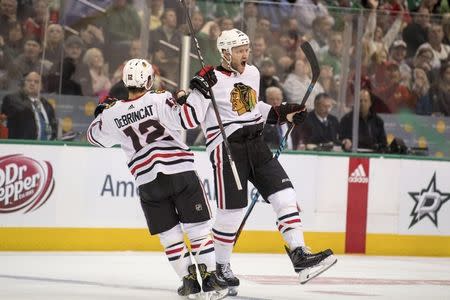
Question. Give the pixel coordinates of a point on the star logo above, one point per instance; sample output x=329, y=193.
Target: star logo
x=428, y=203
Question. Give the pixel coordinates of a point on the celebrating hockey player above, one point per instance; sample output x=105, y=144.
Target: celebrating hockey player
x=235, y=85
x=146, y=127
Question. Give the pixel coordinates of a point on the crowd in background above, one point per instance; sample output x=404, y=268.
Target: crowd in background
x=81, y=51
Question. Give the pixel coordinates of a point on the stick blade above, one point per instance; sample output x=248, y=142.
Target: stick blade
x=311, y=57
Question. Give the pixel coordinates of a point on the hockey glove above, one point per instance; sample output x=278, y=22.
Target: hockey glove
x=181, y=97
x=278, y=114
x=204, y=80
x=299, y=117
x=105, y=102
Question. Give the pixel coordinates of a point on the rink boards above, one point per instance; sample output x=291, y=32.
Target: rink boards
x=83, y=198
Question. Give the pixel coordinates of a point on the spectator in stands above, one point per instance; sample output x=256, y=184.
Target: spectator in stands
x=164, y=55
x=8, y=16
x=398, y=55
x=53, y=48
x=320, y=127
x=258, y=53
x=275, y=12
x=95, y=81
x=328, y=81
x=268, y=78
x=297, y=83
x=156, y=8
x=440, y=92
x=420, y=90
x=225, y=23
x=333, y=56
x=249, y=20
x=30, y=60
x=284, y=52
x=273, y=133
x=423, y=59
x=441, y=51
x=446, y=28
x=35, y=24
x=263, y=29
x=321, y=29
x=92, y=37
x=207, y=39
x=306, y=11
x=74, y=48
x=13, y=42
x=4, y=66
x=198, y=21
x=415, y=33
x=61, y=81
x=395, y=95
x=134, y=51
x=374, y=39
x=371, y=132
x=29, y=116
x=121, y=24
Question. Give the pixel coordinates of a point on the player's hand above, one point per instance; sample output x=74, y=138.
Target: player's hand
x=104, y=103
x=204, y=80
x=299, y=117
x=181, y=97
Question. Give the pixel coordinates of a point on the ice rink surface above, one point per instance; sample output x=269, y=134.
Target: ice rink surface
x=148, y=275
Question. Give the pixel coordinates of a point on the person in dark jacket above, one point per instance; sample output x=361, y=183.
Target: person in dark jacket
x=29, y=116
x=320, y=126
x=371, y=134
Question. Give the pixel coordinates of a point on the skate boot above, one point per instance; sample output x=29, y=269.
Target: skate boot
x=214, y=287
x=310, y=265
x=191, y=287
x=224, y=272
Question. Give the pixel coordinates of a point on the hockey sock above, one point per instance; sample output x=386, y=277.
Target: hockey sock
x=176, y=250
x=224, y=232
x=288, y=218
x=202, y=246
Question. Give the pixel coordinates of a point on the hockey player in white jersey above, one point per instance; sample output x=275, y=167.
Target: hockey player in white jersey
x=243, y=117
x=146, y=127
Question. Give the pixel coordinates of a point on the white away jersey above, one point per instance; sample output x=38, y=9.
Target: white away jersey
x=147, y=130
x=237, y=100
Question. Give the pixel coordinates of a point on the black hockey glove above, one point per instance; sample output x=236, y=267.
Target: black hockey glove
x=105, y=102
x=278, y=114
x=181, y=97
x=299, y=117
x=204, y=80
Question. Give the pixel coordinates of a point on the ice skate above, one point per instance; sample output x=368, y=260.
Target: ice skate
x=191, y=288
x=213, y=287
x=224, y=272
x=310, y=265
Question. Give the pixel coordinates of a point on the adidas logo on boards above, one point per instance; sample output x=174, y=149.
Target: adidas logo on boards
x=358, y=175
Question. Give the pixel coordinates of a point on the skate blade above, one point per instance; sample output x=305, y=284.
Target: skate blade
x=311, y=273
x=213, y=295
x=193, y=296
x=232, y=291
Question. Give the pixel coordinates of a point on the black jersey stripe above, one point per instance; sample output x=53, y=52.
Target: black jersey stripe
x=173, y=162
x=147, y=153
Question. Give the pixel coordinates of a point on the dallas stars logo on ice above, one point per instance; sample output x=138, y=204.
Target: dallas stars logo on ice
x=428, y=203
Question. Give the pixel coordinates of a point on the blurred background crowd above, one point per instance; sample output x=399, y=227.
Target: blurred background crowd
x=387, y=60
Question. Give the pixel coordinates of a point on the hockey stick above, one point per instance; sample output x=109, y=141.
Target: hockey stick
x=315, y=70
x=213, y=100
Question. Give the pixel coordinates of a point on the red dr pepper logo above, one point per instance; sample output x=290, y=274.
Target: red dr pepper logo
x=25, y=184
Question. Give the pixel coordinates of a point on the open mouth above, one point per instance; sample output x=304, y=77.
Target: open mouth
x=243, y=63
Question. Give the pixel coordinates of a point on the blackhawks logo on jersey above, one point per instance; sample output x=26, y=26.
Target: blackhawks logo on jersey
x=243, y=98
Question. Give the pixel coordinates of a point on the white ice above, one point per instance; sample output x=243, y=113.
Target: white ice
x=148, y=275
